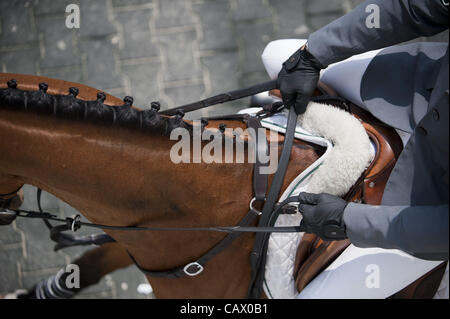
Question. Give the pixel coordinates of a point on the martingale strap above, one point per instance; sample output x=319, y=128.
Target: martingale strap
x=196, y=267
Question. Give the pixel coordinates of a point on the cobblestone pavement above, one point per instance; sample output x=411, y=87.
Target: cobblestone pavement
x=173, y=51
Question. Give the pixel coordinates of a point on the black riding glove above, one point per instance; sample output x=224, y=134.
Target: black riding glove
x=323, y=215
x=298, y=78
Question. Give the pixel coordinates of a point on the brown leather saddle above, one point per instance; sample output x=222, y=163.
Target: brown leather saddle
x=314, y=255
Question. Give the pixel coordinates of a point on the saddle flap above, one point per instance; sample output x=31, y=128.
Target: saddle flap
x=306, y=267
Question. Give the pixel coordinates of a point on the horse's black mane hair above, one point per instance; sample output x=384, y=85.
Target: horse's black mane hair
x=70, y=107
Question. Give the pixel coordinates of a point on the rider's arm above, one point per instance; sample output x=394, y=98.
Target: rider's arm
x=399, y=21
x=421, y=231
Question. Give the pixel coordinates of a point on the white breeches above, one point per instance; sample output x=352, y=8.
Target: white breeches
x=352, y=69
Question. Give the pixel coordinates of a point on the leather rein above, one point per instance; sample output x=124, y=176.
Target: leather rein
x=267, y=217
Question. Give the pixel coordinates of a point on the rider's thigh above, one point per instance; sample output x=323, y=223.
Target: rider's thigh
x=367, y=273
x=345, y=76
x=278, y=51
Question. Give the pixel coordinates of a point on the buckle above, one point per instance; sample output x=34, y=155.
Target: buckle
x=193, y=269
x=252, y=208
x=74, y=223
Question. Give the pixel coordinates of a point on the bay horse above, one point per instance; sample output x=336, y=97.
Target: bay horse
x=110, y=161
x=117, y=171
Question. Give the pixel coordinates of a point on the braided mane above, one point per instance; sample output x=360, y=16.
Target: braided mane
x=95, y=111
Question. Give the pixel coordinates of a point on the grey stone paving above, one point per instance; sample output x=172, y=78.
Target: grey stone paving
x=173, y=51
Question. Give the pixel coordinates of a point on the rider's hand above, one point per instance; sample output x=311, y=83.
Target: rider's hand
x=298, y=78
x=323, y=215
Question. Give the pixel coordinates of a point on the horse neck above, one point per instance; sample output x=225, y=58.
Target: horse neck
x=78, y=162
x=121, y=177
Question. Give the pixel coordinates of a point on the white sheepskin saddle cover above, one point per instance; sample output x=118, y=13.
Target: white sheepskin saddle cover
x=348, y=153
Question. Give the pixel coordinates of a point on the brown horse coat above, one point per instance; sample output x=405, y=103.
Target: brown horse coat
x=121, y=176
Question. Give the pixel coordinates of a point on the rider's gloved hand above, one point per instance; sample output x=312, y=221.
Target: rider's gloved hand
x=298, y=78
x=323, y=215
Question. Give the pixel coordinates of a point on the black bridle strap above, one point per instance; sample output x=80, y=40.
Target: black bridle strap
x=224, y=97
x=76, y=224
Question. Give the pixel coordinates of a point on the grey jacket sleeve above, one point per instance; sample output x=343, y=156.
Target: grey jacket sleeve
x=399, y=21
x=421, y=231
